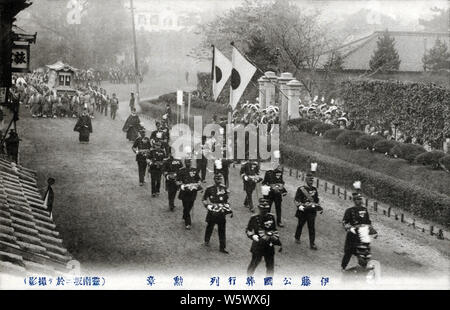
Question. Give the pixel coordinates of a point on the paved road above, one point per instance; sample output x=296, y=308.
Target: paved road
x=110, y=224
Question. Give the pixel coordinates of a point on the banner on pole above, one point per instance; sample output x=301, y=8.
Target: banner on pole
x=179, y=97
x=241, y=75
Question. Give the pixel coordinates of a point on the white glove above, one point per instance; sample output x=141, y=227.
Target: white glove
x=182, y=186
x=301, y=208
x=245, y=178
x=353, y=230
x=255, y=237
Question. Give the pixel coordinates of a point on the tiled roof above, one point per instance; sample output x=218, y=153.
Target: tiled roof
x=411, y=47
x=29, y=242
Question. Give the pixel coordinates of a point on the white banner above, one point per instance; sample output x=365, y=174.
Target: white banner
x=180, y=97
x=241, y=75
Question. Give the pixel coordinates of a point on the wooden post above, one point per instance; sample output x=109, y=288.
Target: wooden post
x=375, y=206
x=326, y=186
x=317, y=183
x=339, y=192
x=345, y=194
x=333, y=189
x=402, y=218
x=290, y=171
x=396, y=217
x=431, y=230
x=414, y=223
x=389, y=212
x=189, y=108
x=367, y=202
x=296, y=174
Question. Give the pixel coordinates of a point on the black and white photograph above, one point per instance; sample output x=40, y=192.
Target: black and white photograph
x=243, y=146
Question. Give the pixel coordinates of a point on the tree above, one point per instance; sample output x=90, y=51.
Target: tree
x=437, y=57
x=385, y=57
x=274, y=34
x=438, y=23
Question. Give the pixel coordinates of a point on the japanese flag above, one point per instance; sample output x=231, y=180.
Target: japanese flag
x=221, y=72
x=241, y=74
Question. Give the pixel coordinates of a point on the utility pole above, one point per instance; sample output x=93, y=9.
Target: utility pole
x=136, y=65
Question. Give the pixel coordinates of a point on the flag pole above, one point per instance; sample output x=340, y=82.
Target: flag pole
x=212, y=70
x=136, y=65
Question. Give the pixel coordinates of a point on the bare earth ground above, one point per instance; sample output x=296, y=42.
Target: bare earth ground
x=113, y=226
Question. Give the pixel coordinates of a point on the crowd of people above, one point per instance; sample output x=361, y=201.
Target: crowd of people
x=154, y=155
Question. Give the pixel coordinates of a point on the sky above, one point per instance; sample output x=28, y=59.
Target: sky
x=405, y=11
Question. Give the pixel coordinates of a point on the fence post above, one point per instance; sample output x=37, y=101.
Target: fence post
x=402, y=218
x=326, y=186
x=290, y=171
x=396, y=217
x=333, y=189
x=389, y=212
x=367, y=202
x=414, y=223
x=431, y=230
x=345, y=194
x=339, y=192
x=375, y=206
x=317, y=183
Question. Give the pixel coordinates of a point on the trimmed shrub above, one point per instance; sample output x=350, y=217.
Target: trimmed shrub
x=299, y=123
x=367, y=142
x=333, y=133
x=430, y=158
x=412, y=198
x=309, y=125
x=384, y=146
x=407, y=151
x=444, y=162
x=321, y=128
x=349, y=137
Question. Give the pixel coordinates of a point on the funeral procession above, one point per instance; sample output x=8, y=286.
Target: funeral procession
x=222, y=145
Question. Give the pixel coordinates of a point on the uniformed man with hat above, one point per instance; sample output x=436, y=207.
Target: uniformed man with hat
x=189, y=181
x=141, y=147
x=215, y=201
x=156, y=161
x=274, y=179
x=354, y=217
x=250, y=176
x=262, y=230
x=307, y=203
x=171, y=169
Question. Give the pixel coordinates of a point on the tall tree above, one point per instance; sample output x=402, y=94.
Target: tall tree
x=385, y=58
x=437, y=57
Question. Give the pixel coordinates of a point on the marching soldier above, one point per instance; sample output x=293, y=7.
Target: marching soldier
x=165, y=136
x=190, y=184
x=141, y=147
x=222, y=166
x=156, y=161
x=171, y=169
x=156, y=134
x=307, y=203
x=262, y=230
x=250, y=175
x=274, y=179
x=354, y=217
x=215, y=200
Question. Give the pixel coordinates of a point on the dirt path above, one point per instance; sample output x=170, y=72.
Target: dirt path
x=110, y=224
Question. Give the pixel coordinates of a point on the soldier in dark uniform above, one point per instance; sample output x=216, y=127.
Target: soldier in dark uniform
x=165, y=140
x=249, y=173
x=171, y=169
x=307, y=202
x=214, y=195
x=202, y=162
x=190, y=184
x=262, y=230
x=353, y=217
x=132, y=107
x=274, y=179
x=141, y=147
x=156, y=161
x=84, y=127
x=222, y=166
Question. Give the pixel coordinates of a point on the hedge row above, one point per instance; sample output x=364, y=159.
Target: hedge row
x=412, y=198
x=358, y=139
x=418, y=109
